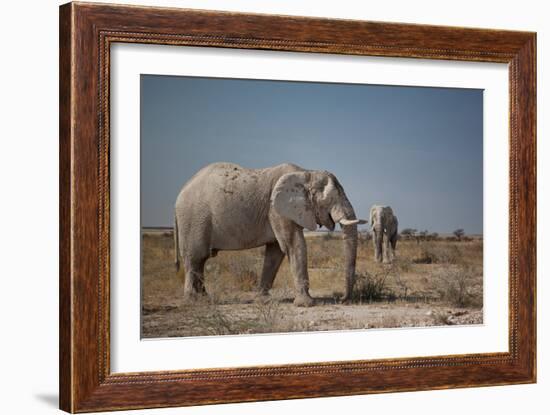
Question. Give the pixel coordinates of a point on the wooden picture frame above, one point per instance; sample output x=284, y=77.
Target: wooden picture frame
x=86, y=33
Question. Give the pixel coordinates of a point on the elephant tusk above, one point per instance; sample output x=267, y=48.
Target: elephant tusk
x=347, y=222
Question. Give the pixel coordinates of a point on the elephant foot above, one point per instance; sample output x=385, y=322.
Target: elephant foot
x=304, y=300
x=263, y=298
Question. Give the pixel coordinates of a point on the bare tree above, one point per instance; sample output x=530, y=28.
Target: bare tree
x=423, y=235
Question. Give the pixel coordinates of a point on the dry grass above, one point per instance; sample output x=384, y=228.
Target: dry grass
x=446, y=276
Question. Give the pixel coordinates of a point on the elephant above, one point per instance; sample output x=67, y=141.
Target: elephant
x=384, y=227
x=228, y=207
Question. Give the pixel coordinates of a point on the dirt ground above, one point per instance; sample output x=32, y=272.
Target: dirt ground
x=431, y=283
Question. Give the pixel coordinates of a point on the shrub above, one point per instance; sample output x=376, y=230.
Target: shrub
x=328, y=236
x=269, y=313
x=217, y=323
x=402, y=286
x=455, y=285
x=438, y=254
x=369, y=288
x=459, y=233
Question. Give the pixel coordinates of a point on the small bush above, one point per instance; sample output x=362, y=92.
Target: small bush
x=208, y=315
x=403, y=287
x=459, y=233
x=438, y=254
x=455, y=285
x=329, y=236
x=369, y=288
x=269, y=313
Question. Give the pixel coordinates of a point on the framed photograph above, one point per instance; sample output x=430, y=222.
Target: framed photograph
x=258, y=207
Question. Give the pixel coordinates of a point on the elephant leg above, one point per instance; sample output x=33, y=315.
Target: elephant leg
x=393, y=242
x=297, y=256
x=272, y=261
x=194, y=278
x=292, y=243
x=386, y=250
x=378, y=235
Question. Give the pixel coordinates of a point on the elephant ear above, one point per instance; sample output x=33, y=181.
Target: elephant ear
x=290, y=199
x=395, y=224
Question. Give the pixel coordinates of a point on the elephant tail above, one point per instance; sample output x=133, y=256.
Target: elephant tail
x=176, y=244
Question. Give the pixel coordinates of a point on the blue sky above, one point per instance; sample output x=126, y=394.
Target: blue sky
x=417, y=149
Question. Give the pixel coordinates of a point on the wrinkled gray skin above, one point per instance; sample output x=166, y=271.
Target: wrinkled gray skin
x=227, y=207
x=384, y=228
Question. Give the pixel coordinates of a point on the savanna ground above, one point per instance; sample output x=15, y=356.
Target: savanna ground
x=431, y=283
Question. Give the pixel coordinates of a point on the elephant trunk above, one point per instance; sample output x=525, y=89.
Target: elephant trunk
x=350, y=256
x=345, y=215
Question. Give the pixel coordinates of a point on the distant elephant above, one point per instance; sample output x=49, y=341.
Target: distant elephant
x=227, y=207
x=384, y=227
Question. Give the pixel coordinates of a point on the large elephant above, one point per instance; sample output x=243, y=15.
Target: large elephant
x=227, y=207
x=384, y=227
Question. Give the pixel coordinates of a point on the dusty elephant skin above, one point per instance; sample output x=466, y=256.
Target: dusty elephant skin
x=227, y=207
x=384, y=228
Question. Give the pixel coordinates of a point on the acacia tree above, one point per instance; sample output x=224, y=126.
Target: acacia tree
x=459, y=233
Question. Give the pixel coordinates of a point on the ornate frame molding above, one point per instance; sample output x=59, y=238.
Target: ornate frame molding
x=86, y=33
